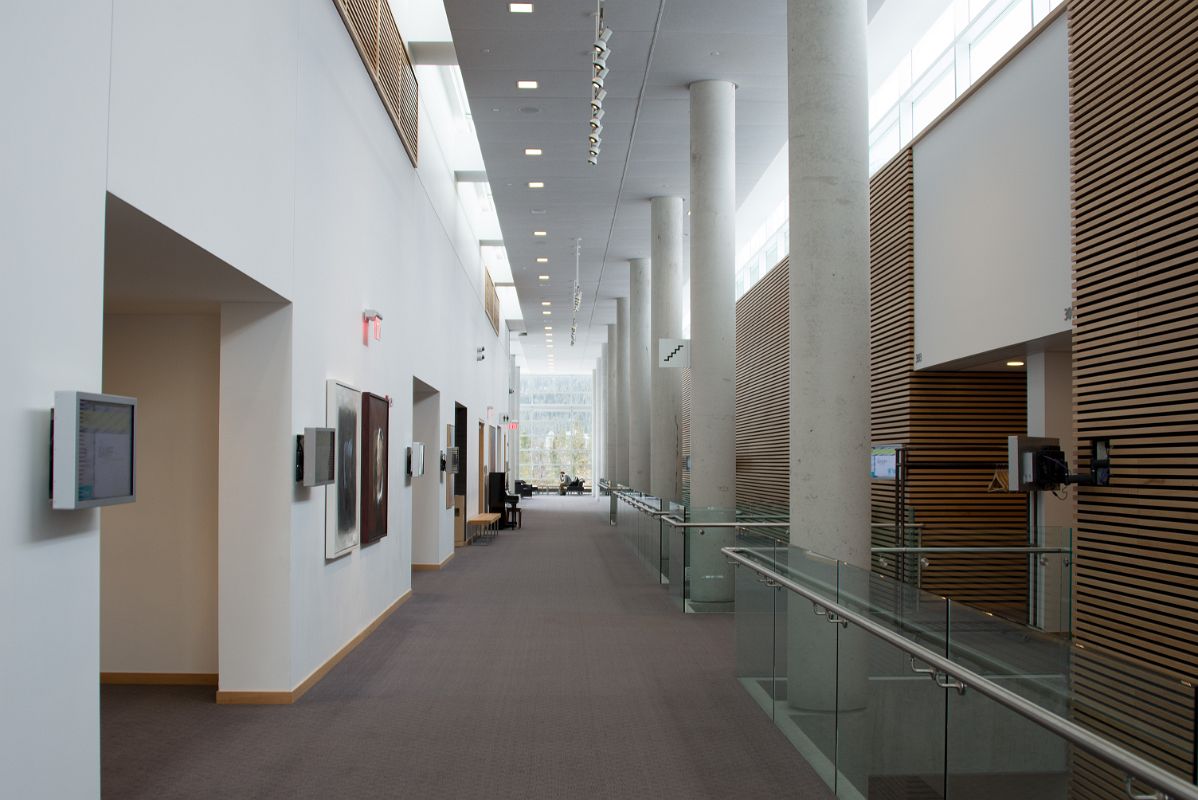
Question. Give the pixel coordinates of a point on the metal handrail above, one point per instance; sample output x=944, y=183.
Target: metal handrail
x=677, y=523
x=970, y=550
x=952, y=675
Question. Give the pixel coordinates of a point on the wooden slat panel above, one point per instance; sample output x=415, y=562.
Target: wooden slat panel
x=491, y=302
x=957, y=417
x=762, y=394
x=1133, y=88
x=385, y=56
x=941, y=417
x=398, y=82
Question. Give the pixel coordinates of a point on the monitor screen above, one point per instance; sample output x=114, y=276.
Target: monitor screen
x=883, y=463
x=105, y=454
x=93, y=449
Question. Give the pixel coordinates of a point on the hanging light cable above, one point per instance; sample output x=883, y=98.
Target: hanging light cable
x=577, y=289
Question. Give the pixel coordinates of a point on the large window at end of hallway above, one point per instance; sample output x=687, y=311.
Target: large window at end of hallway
x=555, y=427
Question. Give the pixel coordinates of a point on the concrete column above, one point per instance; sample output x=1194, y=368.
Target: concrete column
x=829, y=279
x=593, y=478
x=639, y=410
x=600, y=426
x=514, y=398
x=713, y=299
x=713, y=333
x=829, y=359
x=665, y=323
x=610, y=355
x=623, y=391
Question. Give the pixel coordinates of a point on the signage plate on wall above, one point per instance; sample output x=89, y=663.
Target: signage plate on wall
x=674, y=353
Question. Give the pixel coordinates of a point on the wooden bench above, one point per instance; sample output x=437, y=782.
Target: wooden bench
x=485, y=526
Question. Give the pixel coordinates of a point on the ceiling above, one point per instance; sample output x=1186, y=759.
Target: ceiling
x=658, y=48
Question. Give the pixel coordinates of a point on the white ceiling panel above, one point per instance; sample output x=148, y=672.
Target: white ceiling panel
x=658, y=48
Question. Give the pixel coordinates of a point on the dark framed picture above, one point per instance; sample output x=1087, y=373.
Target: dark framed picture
x=375, y=413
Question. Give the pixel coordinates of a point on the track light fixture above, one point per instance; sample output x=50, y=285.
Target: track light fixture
x=599, y=53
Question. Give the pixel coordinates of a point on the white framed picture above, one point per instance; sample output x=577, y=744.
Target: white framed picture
x=343, y=404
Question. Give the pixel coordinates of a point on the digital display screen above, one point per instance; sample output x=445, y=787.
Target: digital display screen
x=105, y=458
x=883, y=463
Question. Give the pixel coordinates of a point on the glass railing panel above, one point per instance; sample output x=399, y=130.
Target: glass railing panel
x=755, y=642
x=995, y=754
x=806, y=663
x=890, y=719
x=901, y=607
x=679, y=560
x=710, y=583
x=1147, y=712
x=1030, y=663
x=1052, y=601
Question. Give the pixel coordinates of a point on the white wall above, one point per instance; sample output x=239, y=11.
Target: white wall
x=52, y=162
x=158, y=556
x=277, y=156
x=255, y=482
x=203, y=125
x=428, y=490
x=992, y=259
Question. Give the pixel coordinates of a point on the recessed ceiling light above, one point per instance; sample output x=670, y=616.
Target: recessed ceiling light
x=542, y=259
x=543, y=277
x=532, y=151
x=549, y=346
x=548, y=327
x=546, y=302
x=540, y=233
x=1014, y=363
x=520, y=8
x=536, y=184
x=547, y=313
x=526, y=84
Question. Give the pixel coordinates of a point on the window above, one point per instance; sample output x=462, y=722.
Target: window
x=556, y=413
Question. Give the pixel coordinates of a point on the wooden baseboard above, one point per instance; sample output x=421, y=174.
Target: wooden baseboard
x=159, y=678
x=285, y=698
x=255, y=698
x=433, y=567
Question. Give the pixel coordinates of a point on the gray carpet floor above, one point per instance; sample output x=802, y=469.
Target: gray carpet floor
x=546, y=665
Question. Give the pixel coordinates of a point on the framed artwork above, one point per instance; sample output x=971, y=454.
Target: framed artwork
x=375, y=412
x=445, y=474
x=342, y=406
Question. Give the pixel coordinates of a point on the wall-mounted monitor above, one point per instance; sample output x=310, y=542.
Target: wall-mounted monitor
x=92, y=458
x=883, y=462
x=1026, y=470
x=316, y=456
x=416, y=459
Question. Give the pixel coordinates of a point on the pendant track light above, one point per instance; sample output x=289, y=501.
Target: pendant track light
x=600, y=51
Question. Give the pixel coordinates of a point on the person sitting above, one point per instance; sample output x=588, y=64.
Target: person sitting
x=563, y=481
